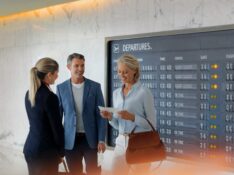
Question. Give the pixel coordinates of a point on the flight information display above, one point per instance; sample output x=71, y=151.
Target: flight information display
x=191, y=77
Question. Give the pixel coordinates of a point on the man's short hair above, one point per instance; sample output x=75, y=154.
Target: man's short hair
x=75, y=56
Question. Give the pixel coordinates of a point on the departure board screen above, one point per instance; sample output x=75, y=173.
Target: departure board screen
x=191, y=77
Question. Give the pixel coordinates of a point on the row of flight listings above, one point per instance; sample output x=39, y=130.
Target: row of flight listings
x=194, y=105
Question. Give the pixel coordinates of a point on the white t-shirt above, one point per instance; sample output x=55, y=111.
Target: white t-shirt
x=78, y=91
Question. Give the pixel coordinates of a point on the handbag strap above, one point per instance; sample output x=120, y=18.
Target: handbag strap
x=148, y=123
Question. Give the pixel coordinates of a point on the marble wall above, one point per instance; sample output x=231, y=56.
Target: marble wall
x=82, y=27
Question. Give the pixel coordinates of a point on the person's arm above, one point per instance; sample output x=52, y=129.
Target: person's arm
x=110, y=117
x=149, y=110
x=53, y=113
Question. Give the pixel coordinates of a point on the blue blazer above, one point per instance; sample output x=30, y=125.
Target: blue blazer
x=94, y=124
x=45, y=137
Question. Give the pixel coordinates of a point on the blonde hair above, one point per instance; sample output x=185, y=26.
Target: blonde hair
x=38, y=73
x=132, y=63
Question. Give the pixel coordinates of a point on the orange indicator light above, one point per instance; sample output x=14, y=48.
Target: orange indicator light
x=214, y=86
x=214, y=76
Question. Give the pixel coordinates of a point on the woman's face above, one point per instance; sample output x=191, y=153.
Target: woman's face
x=126, y=74
x=53, y=77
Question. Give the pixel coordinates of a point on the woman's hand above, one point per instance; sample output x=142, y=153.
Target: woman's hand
x=126, y=115
x=106, y=115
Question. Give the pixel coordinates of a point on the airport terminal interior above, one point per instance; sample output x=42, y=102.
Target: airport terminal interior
x=186, y=53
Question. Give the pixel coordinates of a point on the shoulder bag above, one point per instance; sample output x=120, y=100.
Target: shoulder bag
x=145, y=147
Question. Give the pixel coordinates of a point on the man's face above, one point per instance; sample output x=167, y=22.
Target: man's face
x=77, y=68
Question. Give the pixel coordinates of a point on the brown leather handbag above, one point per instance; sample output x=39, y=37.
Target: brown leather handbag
x=145, y=147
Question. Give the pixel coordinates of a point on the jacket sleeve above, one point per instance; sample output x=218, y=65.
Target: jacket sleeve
x=149, y=111
x=101, y=122
x=52, y=110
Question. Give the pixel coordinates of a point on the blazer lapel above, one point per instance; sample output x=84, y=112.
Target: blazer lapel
x=86, y=92
x=70, y=94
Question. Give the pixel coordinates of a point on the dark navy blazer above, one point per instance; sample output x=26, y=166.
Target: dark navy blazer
x=46, y=134
x=94, y=125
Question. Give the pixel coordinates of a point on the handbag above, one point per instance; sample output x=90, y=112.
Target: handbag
x=145, y=147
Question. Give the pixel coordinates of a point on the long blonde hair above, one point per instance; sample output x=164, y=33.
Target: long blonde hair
x=38, y=73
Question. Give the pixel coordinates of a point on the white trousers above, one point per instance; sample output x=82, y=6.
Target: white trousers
x=119, y=164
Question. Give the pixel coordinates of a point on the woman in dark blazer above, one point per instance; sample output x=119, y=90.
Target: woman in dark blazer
x=44, y=147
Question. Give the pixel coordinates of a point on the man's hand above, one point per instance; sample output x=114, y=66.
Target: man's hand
x=101, y=147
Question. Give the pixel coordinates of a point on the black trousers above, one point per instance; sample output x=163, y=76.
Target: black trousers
x=82, y=150
x=42, y=165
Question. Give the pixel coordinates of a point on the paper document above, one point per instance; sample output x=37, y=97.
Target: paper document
x=100, y=158
x=109, y=109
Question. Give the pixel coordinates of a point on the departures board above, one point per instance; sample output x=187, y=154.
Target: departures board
x=191, y=77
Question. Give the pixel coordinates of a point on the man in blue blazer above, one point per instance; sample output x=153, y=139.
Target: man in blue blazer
x=84, y=128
